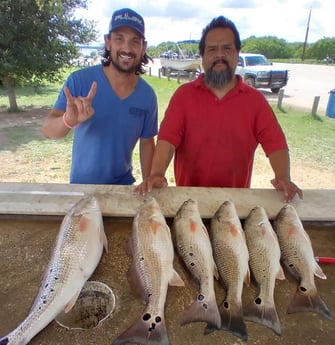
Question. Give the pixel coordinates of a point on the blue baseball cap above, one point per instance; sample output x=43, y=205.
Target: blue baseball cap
x=127, y=17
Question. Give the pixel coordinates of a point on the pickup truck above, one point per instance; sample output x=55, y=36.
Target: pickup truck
x=258, y=72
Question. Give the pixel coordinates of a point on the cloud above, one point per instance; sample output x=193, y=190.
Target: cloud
x=172, y=20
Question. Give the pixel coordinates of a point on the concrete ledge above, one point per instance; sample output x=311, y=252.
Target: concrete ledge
x=52, y=199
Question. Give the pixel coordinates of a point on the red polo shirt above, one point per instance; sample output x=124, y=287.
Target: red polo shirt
x=215, y=140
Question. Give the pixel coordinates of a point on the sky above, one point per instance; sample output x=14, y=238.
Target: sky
x=170, y=20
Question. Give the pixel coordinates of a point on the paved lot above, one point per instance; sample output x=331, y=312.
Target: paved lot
x=305, y=82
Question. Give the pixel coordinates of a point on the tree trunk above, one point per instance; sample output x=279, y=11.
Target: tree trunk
x=10, y=83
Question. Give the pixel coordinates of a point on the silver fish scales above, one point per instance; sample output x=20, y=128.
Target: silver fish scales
x=78, y=250
x=152, y=270
x=298, y=258
x=194, y=247
x=231, y=257
x=264, y=254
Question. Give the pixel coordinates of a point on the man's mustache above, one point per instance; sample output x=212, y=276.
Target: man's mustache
x=221, y=60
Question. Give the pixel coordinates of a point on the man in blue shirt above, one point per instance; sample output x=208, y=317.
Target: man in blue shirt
x=110, y=107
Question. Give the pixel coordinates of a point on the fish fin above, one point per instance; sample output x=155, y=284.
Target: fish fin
x=247, y=278
x=290, y=273
x=205, y=230
x=257, y=311
x=103, y=237
x=72, y=302
x=176, y=279
x=216, y=271
x=146, y=331
x=308, y=302
x=232, y=320
x=4, y=341
x=318, y=272
x=280, y=274
x=202, y=311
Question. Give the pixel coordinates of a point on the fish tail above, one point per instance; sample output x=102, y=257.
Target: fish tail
x=263, y=314
x=146, y=331
x=308, y=302
x=4, y=341
x=203, y=311
x=231, y=320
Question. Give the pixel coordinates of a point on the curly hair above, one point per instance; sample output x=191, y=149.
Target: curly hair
x=106, y=60
x=219, y=22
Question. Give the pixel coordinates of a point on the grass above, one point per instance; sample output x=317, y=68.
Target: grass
x=311, y=138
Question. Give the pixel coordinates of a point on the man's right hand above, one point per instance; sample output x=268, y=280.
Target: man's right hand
x=79, y=109
x=153, y=181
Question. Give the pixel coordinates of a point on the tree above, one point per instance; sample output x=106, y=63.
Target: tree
x=37, y=39
x=272, y=47
x=323, y=49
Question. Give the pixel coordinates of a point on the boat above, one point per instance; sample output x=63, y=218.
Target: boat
x=174, y=62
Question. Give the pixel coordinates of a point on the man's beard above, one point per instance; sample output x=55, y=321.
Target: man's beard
x=220, y=79
x=127, y=70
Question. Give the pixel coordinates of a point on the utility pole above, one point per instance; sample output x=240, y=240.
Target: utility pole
x=306, y=37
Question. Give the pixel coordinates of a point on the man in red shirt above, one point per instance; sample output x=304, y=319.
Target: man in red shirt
x=214, y=124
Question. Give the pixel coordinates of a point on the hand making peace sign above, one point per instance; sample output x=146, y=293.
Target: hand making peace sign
x=79, y=109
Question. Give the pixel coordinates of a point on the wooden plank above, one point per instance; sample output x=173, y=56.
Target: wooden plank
x=121, y=201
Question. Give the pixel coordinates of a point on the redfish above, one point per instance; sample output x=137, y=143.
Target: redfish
x=298, y=258
x=264, y=261
x=231, y=257
x=152, y=270
x=194, y=247
x=78, y=250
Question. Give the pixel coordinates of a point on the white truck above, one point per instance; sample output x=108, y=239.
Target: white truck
x=258, y=72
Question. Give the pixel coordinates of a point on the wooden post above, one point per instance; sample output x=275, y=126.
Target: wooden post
x=315, y=105
x=159, y=72
x=149, y=71
x=178, y=77
x=280, y=98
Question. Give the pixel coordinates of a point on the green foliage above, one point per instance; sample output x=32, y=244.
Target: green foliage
x=311, y=139
x=322, y=48
x=189, y=48
x=271, y=47
x=38, y=38
x=164, y=90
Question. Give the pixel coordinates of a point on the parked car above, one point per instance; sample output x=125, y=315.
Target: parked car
x=258, y=72
x=169, y=55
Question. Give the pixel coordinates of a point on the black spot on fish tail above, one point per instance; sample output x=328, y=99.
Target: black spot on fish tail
x=4, y=341
x=146, y=317
x=232, y=320
x=200, y=297
x=202, y=310
x=147, y=330
x=264, y=315
x=305, y=301
x=258, y=301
